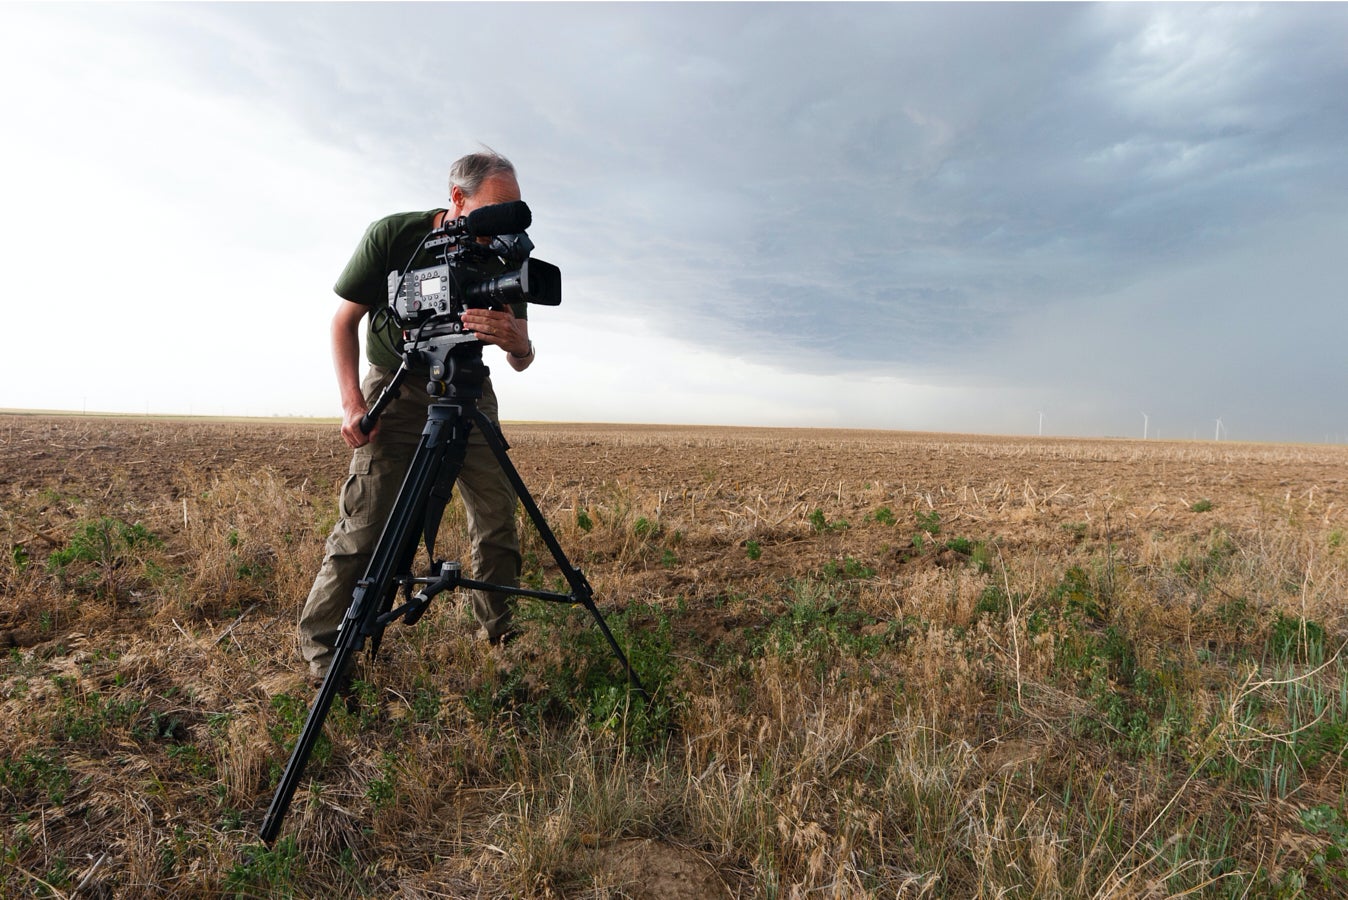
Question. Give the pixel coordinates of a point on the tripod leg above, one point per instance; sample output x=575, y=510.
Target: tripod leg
x=439, y=454
x=581, y=591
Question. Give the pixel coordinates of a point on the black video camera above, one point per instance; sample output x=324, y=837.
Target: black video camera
x=473, y=275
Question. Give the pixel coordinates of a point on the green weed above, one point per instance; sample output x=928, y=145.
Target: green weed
x=97, y=549
x=849, y=569
x=266, y=872
x=818, y=627
x=1330, y=863
x=382, y=790
x=820, y=524
x=37, y=775
x=882, y=516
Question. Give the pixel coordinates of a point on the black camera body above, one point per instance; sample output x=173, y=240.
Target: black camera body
x=429, y=302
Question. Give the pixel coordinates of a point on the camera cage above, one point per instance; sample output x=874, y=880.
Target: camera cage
x=427, y=303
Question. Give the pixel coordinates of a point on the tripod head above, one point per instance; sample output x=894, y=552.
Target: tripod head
x=455, y=367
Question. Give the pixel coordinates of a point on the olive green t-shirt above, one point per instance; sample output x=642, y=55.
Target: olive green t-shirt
x=387, y=247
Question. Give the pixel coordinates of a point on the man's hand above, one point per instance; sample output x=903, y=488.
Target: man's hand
x=499, y=327
x=351, y=432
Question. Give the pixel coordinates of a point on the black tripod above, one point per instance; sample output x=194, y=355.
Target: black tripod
x=457, y=375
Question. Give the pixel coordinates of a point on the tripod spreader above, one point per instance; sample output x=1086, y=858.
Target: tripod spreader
x=447, y=578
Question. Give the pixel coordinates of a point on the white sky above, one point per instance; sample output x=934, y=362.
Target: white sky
x=937, y=217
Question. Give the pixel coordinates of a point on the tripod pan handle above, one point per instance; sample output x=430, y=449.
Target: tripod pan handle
x=386, y=396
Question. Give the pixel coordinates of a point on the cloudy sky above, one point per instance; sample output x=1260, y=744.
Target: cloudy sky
x=1085, y=219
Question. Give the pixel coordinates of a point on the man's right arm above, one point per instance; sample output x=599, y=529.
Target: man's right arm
x=346, y=361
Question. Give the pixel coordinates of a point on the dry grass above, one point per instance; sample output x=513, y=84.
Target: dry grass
x=890, y=665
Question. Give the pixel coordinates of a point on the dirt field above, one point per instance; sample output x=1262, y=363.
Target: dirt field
x=724, y=486
x=931, y=561
x=758, y=483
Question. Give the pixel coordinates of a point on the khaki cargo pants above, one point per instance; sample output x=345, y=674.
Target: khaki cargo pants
x=376, y=474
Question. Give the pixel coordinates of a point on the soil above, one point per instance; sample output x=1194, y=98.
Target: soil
x=723, y=487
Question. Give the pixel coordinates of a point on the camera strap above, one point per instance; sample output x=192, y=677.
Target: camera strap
x=438, y=497
x=436, y=501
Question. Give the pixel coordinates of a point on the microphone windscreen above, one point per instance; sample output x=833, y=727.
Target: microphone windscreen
x=499, y=218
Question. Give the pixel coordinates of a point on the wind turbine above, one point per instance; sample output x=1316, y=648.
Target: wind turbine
x=1220, y=426
x=1041, y=423
x=1146, y=421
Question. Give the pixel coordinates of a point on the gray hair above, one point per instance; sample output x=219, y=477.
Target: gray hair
x=468, y=172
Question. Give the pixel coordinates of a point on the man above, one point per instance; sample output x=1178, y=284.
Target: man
x=381, y=458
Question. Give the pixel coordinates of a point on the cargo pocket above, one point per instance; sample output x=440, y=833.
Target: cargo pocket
x=355, y=502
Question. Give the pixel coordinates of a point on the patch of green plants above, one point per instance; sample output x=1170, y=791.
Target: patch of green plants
x=849, y=569
x=1235, y=612
x=960, y=545
x=645, y=529
x=382, y=790
x=96, y=549
x=820, y=524
x=1297, y=719
x=992, y=602
x=264, y=872
x=979, y=554
x=531, y=571
x=1293, y=639
x=1076, y=595
x=929, y=522
x=1202, y=568
x=1139, y=708
x=819, y=627
x=583, y=521
x=190, y=757
x=290, y=712
x=425, y=701
x=1201, y=506
x=586, y=682
x=1330, y=863
x=158, y=726
x=88, y=717
x=249, y=569
x=753, y=550
x=37, y=775
x=882, y=516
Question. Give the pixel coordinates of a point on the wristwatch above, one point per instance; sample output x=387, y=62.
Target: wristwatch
x=525, y=356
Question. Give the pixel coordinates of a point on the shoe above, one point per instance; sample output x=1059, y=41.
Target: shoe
x=343, y=683
x=504, y=638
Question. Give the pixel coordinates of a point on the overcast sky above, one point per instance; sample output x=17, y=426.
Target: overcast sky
x=1090, y=219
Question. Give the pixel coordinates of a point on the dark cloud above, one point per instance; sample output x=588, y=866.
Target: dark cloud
x=985, y=194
